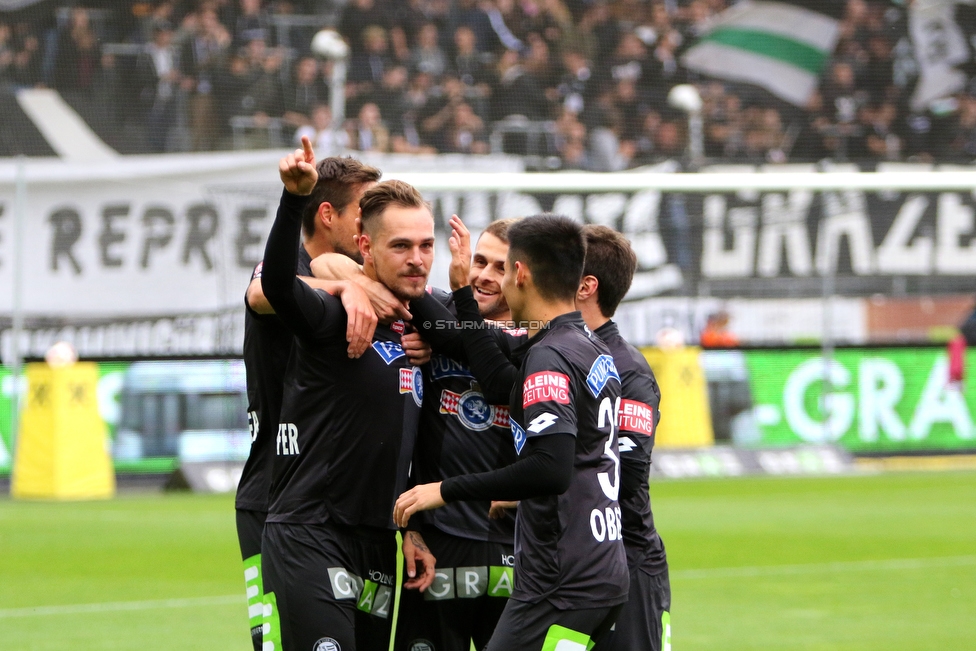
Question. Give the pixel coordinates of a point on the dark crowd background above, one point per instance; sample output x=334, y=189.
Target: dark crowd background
x=569, y=84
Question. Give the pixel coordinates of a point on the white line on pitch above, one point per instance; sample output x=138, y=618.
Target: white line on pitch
x=115, y=606
x=818, y=568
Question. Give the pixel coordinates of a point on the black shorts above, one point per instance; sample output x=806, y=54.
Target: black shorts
x=541, y=627
x=644, y=623
x=470, y=590
x=250, y=526
x=332, y=586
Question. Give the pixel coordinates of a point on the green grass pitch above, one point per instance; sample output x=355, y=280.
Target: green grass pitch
x=863, y=563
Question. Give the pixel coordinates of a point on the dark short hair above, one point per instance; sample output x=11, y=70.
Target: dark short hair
x=612, y=261
x=499, y=228
x=553, y=248
x=388, y=193
x=338, y=179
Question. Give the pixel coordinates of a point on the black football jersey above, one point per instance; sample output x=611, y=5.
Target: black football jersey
x=347, y=427
x=267, y=346
x=461, y=433
x=637, y=418
x=569, y=548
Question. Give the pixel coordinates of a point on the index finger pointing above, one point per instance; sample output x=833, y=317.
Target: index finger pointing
x=307, y=146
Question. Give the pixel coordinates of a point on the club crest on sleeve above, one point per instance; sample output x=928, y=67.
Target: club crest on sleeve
x=398, y=327
x=545, y=386
x=412, y=382
x=518, y=435
x=600, y=373
x=389, y=351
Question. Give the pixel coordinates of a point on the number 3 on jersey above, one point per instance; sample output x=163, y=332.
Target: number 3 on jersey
x=607, y=524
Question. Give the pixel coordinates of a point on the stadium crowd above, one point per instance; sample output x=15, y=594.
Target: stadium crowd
x=581, y=84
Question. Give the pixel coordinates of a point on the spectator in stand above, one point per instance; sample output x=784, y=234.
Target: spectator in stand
x=469, y=65
x=467, y=13
x=599, y=31
x=366, y=68
x=202, y=61
x=571, y=142
x=253, y=23
x=466, y=132
x=716, y=333
x=78, y=65
x=158, y=70
x=390, y=95
x=263, y=99
x=6, y=52
x=306, y=91
x=516, y=92
x=427, y=56
x=538, y=62
x=356, y=17
x=368, y=133
x=608, y=153
x=326, y=140
x=27, y=67
x=577, y=86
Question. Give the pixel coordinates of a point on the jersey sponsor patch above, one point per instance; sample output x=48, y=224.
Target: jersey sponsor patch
x=442, y=366
x=412, y=382
x=635, y=416
x=388, y=351
x=326, y=644
x=473, y=410
x=257, y=270
x=515, y=332
x=542, y=422
x=518, y=435
x=398, y=327
x=601, y=371
x=546, y=386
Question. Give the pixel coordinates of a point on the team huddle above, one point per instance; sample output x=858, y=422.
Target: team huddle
x=504, y=427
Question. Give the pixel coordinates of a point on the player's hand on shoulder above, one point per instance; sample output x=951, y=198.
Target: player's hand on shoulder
x=417, y=350
x=388, y=307
x=297, y=170
x=360, y=319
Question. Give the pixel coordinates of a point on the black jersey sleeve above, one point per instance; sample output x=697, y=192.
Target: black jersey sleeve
x=307, y=312
x=546, y=468
x=637, y=420
x=548, y=401
x=437, y=325
x=487, y=358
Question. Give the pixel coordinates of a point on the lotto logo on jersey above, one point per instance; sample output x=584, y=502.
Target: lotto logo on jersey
x=412, y=382
x=388, y=351
x=601, y=371
x=518, y=435
x=547, y=386
x=635, y=416
x=286, y=443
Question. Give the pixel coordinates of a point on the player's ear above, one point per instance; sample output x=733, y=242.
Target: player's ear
x=326, y=213
x=521, y=274
x=365, y=246
x=588, y=288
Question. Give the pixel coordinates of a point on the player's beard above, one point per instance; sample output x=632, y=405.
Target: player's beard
x=348, y=249
x=406, y=291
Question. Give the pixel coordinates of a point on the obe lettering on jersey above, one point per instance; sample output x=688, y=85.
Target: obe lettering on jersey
x=412, y=382
x=601, y=371
x=388, y=351
x=546, y=386
x=606, y=523
x=286, y=443
x=636, y=417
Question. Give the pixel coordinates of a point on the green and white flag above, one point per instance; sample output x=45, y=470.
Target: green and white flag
x=780, y=46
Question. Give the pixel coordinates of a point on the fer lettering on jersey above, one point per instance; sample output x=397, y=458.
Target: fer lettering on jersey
x=286, y=443
x=546, y=386
x=635, y=416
